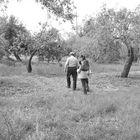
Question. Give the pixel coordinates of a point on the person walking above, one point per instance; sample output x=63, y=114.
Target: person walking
x=83, y=73
x=71, y=67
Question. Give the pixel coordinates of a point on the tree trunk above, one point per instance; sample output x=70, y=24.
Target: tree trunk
x=128, y=63
x=29, y=66
x=17, y=57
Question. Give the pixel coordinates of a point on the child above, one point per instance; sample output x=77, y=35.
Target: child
x=83, y=73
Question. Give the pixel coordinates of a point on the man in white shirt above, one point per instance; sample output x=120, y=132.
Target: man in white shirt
x=71, y=67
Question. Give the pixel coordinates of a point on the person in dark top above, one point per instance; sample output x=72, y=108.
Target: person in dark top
x=83, y=72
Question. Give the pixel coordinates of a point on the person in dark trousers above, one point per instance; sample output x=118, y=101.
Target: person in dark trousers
x=83, y=73
x=71, y=67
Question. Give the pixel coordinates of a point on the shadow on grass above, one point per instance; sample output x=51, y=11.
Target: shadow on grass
x=134, y=77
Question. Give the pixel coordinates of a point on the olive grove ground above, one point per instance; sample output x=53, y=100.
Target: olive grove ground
x=39, y=106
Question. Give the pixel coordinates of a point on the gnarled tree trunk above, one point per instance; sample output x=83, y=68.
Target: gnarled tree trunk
x=29, y=65
x=128, y=63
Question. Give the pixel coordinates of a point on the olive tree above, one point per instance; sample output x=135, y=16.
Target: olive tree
x=113, y=29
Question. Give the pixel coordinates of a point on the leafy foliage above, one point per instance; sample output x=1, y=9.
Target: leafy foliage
x=103, y=37
x=60, y=8
x=11, y=32
x=52, y=45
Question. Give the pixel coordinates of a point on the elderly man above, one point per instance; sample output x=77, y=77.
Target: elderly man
x=71, y=66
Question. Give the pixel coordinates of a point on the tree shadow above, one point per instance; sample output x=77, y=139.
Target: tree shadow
x=134, y=77
x=131, y=76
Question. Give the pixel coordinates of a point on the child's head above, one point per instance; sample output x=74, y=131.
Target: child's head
x=82, y=57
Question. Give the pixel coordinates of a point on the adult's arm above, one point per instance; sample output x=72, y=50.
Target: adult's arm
x=66, y=65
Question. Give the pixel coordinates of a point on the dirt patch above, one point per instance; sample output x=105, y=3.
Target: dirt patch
x=10, y=87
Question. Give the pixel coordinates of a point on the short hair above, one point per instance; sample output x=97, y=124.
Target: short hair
x=72, y=53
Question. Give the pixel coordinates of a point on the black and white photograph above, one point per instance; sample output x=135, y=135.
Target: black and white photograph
x=69, y=70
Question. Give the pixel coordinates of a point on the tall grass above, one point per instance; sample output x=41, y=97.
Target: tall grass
x=48, y=70
x=42, y=69
x=105, y=68
x=103, y=121
x=51, y=70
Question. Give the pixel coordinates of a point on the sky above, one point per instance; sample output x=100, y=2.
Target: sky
x=31, y=14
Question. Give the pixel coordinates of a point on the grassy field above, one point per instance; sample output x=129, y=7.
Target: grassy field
x=38, y=106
